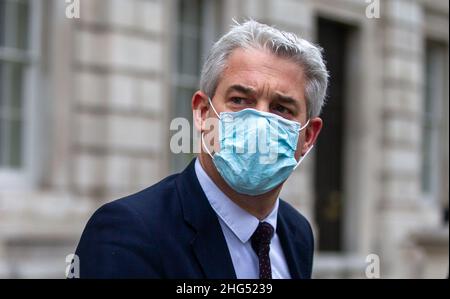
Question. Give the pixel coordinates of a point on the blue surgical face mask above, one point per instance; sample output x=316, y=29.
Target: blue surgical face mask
x=256, y=150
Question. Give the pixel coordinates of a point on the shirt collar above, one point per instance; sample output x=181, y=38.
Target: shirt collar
x=239, y=221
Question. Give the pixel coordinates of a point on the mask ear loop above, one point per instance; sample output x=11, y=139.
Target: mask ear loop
x=212, y=106
x=303, y=157
x=203, y=133
x=307, y=123
x=204, y=146
x=307, y=152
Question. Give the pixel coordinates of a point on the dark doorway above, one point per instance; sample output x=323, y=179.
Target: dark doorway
x=329, y=171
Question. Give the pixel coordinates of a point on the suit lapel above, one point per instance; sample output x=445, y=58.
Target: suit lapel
x=208, y=244
x=294, y=247
x=287, y=243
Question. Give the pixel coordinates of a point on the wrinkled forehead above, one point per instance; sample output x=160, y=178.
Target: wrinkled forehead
x=260, y=72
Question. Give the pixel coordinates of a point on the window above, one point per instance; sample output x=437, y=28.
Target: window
x=196, y=31
x=330, y=166
x=19, y=43
x=14, y=61
x=435, y=83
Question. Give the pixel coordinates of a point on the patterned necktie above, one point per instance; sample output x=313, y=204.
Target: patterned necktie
x=261, y=245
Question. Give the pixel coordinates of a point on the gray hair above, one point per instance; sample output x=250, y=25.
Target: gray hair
x=252, y=34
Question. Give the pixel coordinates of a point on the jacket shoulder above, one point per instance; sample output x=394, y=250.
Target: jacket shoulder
x=149, y=198
x=121, y=238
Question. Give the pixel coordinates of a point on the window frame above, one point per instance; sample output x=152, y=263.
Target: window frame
x=22, y=177
x=432, y=196
x=208, y=34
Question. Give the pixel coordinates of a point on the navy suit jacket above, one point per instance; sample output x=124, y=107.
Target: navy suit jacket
x=169, y=230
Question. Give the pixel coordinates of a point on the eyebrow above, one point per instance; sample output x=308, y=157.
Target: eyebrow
x=250, y=91
x=241, y=88
x=287, y=99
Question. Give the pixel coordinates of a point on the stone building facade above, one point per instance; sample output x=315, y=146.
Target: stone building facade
x=96, y=96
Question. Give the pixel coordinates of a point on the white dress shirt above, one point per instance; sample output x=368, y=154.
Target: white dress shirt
x=238, y=226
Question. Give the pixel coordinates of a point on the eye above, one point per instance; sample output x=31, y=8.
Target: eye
x=282, y=110
x=239, y=101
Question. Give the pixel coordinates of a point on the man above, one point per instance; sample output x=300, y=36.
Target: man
x=222, y=216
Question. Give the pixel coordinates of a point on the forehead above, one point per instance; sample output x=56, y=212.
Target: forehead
x=264, y=72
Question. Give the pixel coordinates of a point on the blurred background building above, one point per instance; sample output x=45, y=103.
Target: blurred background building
x=86, y=104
